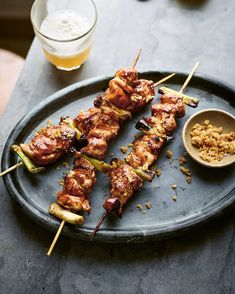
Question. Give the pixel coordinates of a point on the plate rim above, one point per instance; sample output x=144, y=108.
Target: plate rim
x=110, y=235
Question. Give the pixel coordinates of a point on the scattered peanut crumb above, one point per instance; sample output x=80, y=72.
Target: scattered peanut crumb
x=158, y=172
x=213, y=145
x=58, y=167
x=61, y=182
x=185, y=171
x=189, y=179
x=148, y=204
x=49, y=122
x=65, y=163
x=139, y=206
x=169, y=154
x=124, y=149
x=174, y=197
x=182, y=160
x=174, y=186
x=130, y=145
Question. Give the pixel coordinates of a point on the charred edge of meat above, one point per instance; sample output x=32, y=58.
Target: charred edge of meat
x=142, y=125
x=82, y=142
x=112, y=206
x=98, y=101
x=72, y=149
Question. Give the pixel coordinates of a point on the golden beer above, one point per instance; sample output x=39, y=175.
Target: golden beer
x=65, y=29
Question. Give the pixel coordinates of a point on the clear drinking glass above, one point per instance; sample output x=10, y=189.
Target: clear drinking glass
x=65, y=29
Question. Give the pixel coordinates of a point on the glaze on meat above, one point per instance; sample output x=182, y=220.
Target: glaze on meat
x=78, y=183
x=50, y=143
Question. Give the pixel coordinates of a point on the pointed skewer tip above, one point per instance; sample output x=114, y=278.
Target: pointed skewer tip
x=136, y=59
x=98, y=225
x=189, y=77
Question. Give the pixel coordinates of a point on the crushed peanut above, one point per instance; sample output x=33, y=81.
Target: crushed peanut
x=169, y=154
x=212, y=143
x=187, y=173
x=61, y=182
x=174, y=186
x=189, y=179
x=65, y=163
x=148, y=204
x=124, y=149
x=182, y=160
x=158, y=172
x=49, y=122
x=139, y=206
x=174, y=197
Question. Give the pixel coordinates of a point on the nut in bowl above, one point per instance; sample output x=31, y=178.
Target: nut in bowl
x=209, y=137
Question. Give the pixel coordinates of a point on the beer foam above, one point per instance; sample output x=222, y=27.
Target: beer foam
x=64, y=25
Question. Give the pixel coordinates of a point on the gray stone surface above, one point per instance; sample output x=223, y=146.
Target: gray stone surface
x=173, y=35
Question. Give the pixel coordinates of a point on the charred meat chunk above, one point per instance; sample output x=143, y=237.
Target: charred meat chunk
x=78, y=183
x=50, y=143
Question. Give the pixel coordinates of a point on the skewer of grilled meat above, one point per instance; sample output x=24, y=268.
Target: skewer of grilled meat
x=123, y=181
x=80, y=186
x=100, y=125
x=126, y=95
x=48, y=145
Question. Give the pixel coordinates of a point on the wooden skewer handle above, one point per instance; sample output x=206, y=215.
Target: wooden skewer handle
x=11, y=168
x=56, y=238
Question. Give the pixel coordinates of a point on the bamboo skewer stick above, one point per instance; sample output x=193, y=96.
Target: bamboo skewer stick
x=164, y=80
x=20, y=163
x=105, y=214
x=63, y=222
x=56, y=238
x=189, y=77
x=136, y=59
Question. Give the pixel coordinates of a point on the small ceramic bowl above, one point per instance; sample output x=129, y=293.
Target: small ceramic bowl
x=216, y=117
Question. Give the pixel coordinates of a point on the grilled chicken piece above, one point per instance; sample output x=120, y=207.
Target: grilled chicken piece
x=50, y=143
x=142, y=95
x=85, y=121
x=102, y=103
x=125, y=95
x=128, y=75
x=175, y=102
x=96, y=148
x=124, y=181
x=161, y=124
x=145, y=151
x=127, y=92
x=105, y=129
x=78, y=183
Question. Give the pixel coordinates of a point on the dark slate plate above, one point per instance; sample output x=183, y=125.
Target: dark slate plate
x=211, y=191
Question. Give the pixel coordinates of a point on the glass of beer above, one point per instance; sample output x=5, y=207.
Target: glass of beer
x=65, y=29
